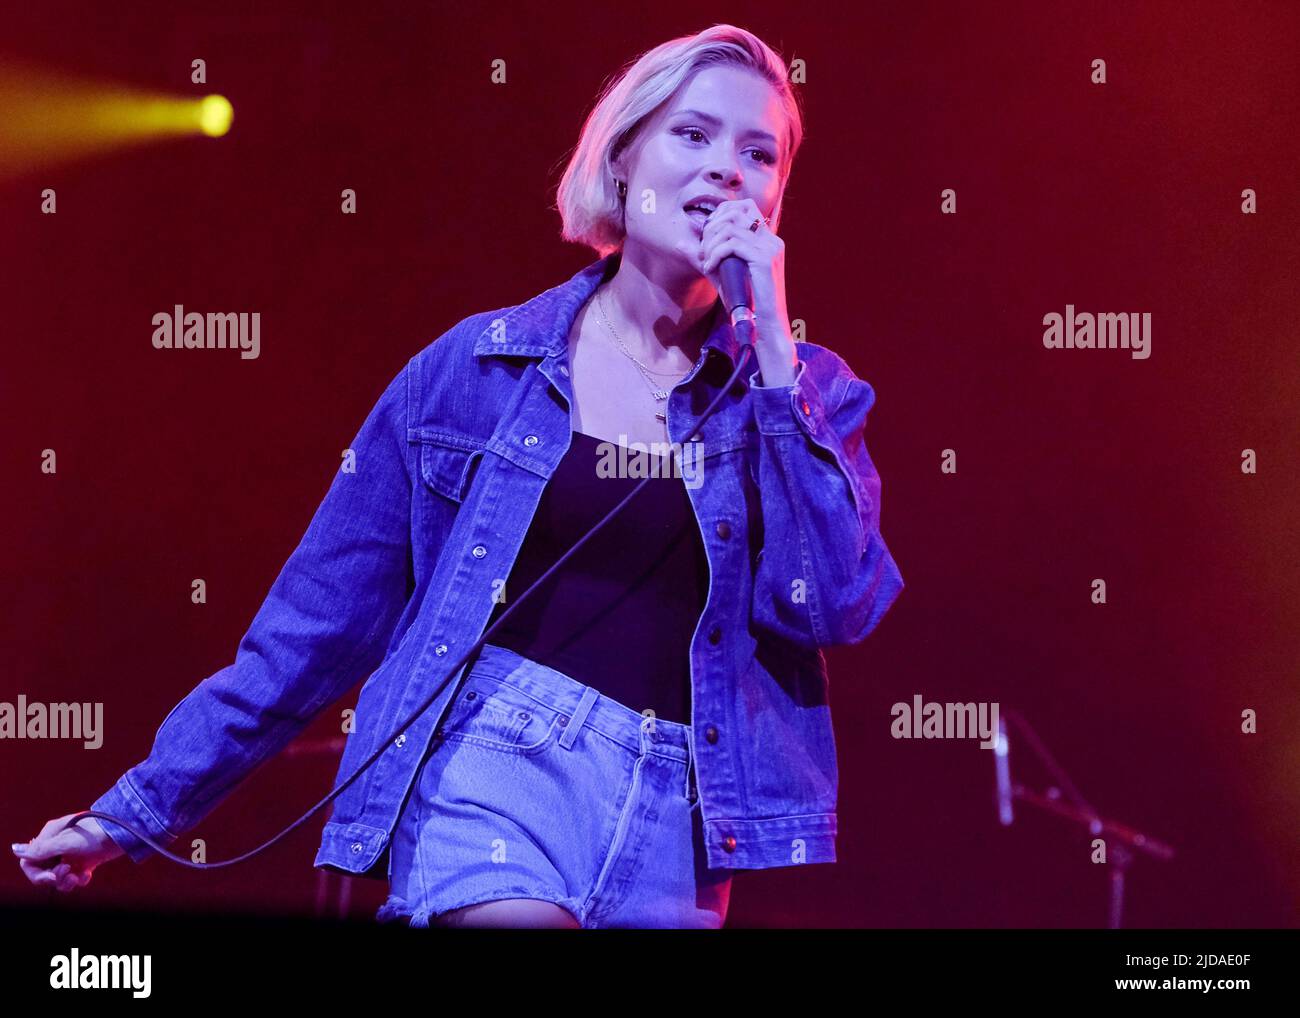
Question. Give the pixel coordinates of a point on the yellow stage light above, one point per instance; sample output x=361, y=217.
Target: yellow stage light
x=215, y=114
x=49, y=116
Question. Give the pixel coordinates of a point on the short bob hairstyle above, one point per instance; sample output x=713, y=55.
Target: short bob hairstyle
x=588, y=202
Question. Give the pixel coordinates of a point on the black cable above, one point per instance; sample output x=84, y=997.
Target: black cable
x=744, y=330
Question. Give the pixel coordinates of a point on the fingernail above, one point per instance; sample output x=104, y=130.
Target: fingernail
x=20, y=849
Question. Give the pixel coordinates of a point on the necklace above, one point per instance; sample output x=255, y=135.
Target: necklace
x=659, y=394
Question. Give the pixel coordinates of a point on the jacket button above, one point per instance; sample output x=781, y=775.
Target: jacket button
x=400, y=741
x=724, y=529
x=356, y=848
x=479, y=551
x=564, y=370
x=531, y=440
x=729, y=843
x=440, y=650
x=715, y=636
x=710, y=735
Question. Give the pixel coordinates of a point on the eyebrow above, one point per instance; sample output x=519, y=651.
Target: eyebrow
x=713, y=121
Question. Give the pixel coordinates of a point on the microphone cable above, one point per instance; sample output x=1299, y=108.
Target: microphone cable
x=743, y=328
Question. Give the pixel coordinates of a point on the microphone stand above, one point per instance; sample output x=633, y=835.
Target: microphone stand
x=1123, y=843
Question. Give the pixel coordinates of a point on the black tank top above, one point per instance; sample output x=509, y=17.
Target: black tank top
x=619, y=615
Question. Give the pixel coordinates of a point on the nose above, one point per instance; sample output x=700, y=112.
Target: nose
x=727, y=176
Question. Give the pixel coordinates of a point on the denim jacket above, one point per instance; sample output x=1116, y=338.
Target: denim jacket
x=394, y=579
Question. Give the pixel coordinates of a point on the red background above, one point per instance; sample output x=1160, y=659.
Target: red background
x=1072, y=464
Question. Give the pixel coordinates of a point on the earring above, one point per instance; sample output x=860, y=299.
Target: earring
x=622, y=187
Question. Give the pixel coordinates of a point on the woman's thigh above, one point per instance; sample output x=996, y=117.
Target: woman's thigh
x=514, y=913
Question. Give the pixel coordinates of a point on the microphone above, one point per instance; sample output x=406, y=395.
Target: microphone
x=738, y=297
x=737, y=288
x=737, y=294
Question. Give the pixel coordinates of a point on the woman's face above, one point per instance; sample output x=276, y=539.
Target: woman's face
x=718, y=136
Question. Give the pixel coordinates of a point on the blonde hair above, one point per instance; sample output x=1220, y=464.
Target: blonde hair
x=589, y=204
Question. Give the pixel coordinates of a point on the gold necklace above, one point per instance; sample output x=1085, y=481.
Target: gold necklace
x=660, y=395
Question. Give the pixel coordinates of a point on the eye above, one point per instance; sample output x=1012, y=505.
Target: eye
x=764, y=157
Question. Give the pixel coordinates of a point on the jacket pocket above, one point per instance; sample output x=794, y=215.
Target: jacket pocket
x=448, y=464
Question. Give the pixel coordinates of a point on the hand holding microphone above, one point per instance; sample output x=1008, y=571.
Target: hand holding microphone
x=745, y=261
x=725, y=253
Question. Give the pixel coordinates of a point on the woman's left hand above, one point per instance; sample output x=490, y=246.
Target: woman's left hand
x=726, y=233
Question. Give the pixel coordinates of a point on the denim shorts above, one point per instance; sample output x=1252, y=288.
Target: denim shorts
x=537, y=786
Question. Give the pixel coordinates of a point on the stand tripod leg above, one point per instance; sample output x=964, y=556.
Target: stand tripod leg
x=1120, y=857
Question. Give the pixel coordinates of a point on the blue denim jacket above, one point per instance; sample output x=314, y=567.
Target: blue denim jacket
x=395, y=576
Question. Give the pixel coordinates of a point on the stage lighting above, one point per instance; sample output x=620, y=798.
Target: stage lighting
x=215, y=114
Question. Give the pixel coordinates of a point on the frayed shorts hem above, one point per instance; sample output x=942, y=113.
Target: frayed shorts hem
x=397, y=908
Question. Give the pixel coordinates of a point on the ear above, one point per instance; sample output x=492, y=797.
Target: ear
x=623, y=162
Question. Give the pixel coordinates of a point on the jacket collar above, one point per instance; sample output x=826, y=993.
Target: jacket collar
x=541, y=326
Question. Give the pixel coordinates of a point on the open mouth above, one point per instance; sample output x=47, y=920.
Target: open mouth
x=699, y=214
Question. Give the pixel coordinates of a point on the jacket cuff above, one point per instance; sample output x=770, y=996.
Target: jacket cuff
x=123, y=801
x=788, y=409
